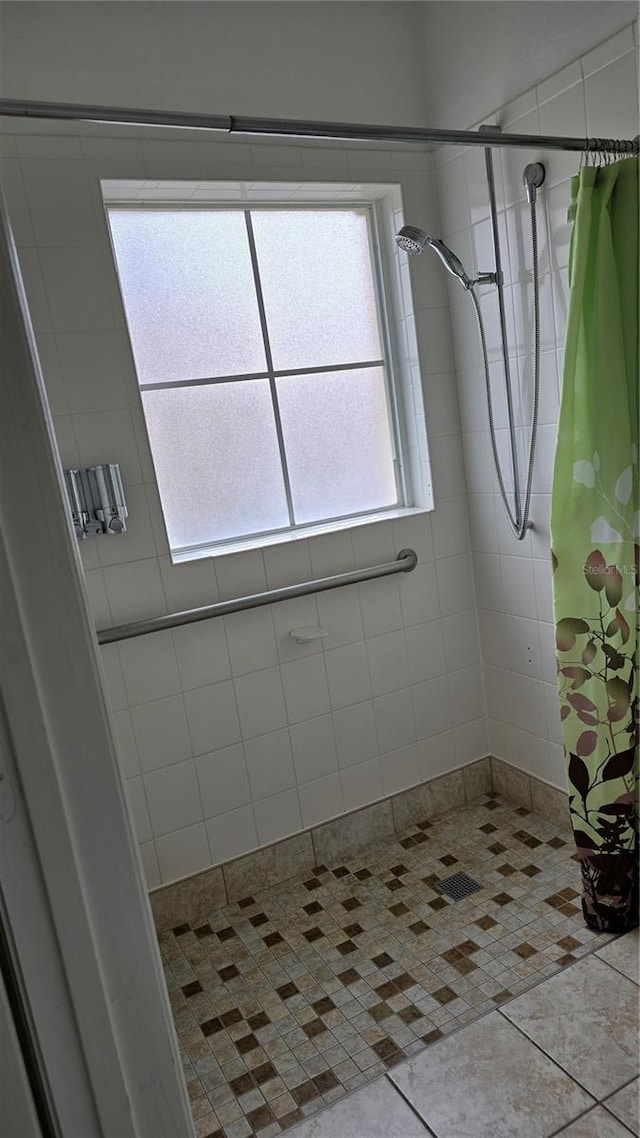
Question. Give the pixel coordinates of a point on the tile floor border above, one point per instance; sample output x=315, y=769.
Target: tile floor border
x=563, y=1126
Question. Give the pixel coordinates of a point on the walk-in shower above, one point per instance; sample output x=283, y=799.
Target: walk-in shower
x=414, y=241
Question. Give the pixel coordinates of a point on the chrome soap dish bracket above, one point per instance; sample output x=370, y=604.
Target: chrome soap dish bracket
x=97, y=501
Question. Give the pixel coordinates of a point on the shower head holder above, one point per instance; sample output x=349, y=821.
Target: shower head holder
x=533, y=176
x=414, y=241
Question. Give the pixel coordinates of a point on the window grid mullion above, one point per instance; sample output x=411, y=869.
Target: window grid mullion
x=319, y=369
x=270, y=372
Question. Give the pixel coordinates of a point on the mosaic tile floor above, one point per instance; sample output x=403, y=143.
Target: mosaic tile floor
x=288, y=1000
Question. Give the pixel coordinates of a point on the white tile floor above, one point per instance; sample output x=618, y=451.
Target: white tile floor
x=562, y=1059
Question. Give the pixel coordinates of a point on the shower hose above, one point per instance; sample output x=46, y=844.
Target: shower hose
x=520, y=522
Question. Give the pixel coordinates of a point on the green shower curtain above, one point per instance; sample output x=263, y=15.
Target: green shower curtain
x=595, y=536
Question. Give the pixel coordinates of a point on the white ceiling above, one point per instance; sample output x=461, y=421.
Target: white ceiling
x=478, y=55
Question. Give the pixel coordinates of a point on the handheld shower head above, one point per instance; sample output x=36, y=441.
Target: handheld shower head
x=413, y=240
x=450, y=261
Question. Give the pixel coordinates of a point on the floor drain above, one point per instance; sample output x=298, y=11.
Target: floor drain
x=458, y=886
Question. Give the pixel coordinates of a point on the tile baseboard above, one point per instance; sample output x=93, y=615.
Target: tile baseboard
x=533, y=793
x=192, y=898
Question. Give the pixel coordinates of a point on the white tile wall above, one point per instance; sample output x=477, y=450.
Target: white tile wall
x=149, y=668
x=173, y=798
x=362, y=784
x=314, y=748
x=184, y=852
x=320, y=799
x=213, y=717
x=232, y=833
x=305, y=688
x=270, y=764
x=231, y=735
x=161, y=732
x=597, y=95
x=222, y=776
x=400, y=769
x=201, y=654
x=355, y=733
x=277, y=816
x=438, y=754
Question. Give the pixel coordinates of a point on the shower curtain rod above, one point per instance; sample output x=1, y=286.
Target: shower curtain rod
x=298, y=128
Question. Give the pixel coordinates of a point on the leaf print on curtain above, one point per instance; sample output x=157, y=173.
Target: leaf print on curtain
x=595, y=537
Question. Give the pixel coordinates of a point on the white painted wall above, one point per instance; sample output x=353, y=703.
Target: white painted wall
x=596, y=95
x=480, y=54
x=358, y=62
x=437, y=62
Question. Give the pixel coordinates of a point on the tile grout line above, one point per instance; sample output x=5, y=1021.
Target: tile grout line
x=412, y=1108
x=614, y=966
x=588, y=1111
x=622, y=1088
x=603, y=1103
x=618, y=1120
x=325, y=1110
x=567, y=1125
x=556, y=1062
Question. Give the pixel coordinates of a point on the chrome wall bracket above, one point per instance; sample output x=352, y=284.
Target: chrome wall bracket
x=97, y=501
x=488, y=279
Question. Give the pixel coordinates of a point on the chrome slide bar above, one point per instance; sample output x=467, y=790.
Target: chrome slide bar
x=298, y=128
x=497, y=253
x=405, y=562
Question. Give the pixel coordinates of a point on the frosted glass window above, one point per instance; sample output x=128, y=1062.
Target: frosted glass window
x=217, y=461
x=318, y=286
x=243, y=457
x=189, y=293
x=338, y=443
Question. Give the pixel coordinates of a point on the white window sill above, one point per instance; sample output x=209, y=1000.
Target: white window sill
x=263, y=541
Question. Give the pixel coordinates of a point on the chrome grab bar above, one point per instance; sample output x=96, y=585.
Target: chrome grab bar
x=405, y=562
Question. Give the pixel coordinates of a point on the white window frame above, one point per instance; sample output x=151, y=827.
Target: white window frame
x=381, y=203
